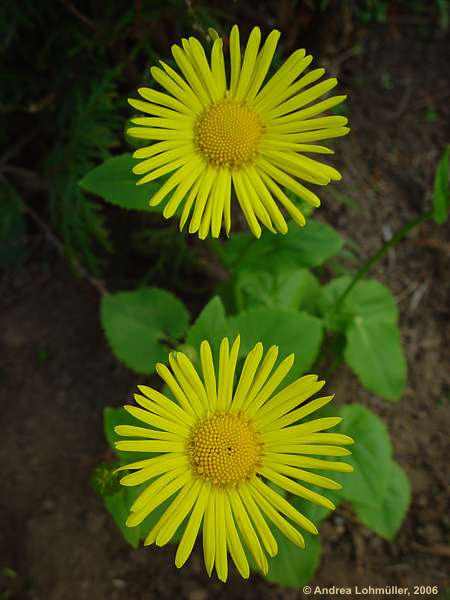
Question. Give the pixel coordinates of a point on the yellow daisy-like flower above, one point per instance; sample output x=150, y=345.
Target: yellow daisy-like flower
x=212, y=134
x=220, y=447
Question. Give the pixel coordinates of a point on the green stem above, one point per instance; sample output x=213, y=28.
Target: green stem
x=370, y=262
x=378, y=255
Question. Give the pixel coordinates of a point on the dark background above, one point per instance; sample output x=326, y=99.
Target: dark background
x=67, y=69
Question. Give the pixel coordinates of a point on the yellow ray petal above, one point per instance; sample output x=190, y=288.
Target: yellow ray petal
x=296, y=473
x=209, y=532
x=267, y=200
x=191, y=76
x=156, y=421
x=185, y=384
x=218, y=67
x=295, y=488
x=305, y=462
x=271, y=384
x=277, y=519
x=275, y=189
x=263, y=530
x=296, y=415
x=158, y=468
x=247, y=375
x=245, y=204
x=209, y=374
x=190, y=533
x=234, y=543
x=263, y=64
x=288, y=71
x=145, y=432
x=221, y=537
x=246, y=529
x=168, y=524
x=165, y=100
x=248, y=63
x=283, y=506
x=235, y=59
x=261, y=376
x=303, y=98
x=162, y=405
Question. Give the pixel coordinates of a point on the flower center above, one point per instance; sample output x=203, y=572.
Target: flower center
x=225, y=449
x=228, y=133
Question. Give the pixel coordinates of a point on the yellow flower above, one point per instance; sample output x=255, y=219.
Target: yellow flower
x=219, y=449
x=212, y=134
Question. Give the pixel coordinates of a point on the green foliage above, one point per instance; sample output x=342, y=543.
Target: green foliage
x=114, y=181
x=142, y=324
x=375, y=354
x=87, y=122
x=378, y=489
x=283, y=287
x=269, y=325
x=441, y=189
x=211, y=325
x=385, y=518
x=12, y=227
x=308, y=246
x=371, y=456
x=118, y=507
x=368, y=320
x=291, y=330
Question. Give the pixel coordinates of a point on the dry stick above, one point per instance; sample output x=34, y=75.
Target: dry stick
x=74, y=10
x=96, y=283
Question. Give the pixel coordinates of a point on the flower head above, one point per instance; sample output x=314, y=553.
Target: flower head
x=248, y=132
x=220, y=446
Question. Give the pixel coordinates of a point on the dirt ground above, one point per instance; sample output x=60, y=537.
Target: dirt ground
x=57, y=374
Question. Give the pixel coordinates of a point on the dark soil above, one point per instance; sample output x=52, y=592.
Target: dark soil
x=57, y=374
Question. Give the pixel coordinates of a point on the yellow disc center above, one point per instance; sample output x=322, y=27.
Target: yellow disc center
x=225, y=449
x=229, y=133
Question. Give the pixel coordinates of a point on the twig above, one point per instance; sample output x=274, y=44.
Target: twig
x=28, y=179
x=96, y=283
x=74, y=10
x=436, y=550
x=16, y=148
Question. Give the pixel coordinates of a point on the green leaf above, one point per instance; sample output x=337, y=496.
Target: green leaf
x=369, y=299
x=12, y=227
x=138, y=323
x=118, y=507
x=371, y=456
x=294, y=566
x=115, y=182
x=211, y=325
x=308, y=246
x=441, y=189
x=374, y=352
x=289, y=288
x=386, y=518
x=291, y=330
x=368, y=316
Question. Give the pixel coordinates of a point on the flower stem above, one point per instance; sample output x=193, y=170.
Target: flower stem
x=378, y=255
